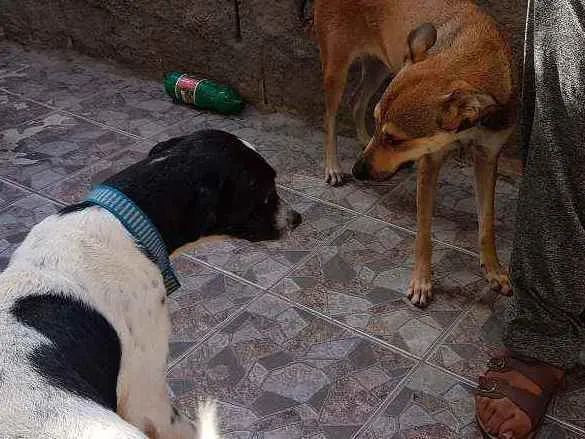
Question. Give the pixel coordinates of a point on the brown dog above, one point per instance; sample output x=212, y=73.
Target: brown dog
x=453, y=86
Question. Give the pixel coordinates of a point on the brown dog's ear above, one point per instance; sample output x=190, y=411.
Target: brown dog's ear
x=464, y=107
x=420, y=40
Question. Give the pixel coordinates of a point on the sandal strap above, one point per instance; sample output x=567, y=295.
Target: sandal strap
x=496, y=388
x=537, y=372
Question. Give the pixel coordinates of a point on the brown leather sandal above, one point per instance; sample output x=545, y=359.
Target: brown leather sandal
x=533, y=405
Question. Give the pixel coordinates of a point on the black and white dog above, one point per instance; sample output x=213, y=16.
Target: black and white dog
x=84, y=323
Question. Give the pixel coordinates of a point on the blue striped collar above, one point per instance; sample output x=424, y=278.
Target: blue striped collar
x=140, y=227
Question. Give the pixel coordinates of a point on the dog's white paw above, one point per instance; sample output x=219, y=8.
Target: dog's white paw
x=333, y=175
x=498, y=279
x=207, y=425
x=420, y=292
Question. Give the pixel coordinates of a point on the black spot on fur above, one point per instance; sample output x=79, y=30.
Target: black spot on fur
x=163, y=300
x=209, y=183
x=72, y=208
x=83, y=354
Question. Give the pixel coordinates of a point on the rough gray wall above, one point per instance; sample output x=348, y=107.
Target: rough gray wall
x=258, y=46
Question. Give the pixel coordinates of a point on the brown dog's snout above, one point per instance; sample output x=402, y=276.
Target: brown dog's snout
x=361, y=169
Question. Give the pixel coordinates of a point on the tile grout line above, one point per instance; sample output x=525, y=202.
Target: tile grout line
x=456, y=322
x=366, y=214
x=357, y=331
x=448, y=331
x=388, y=400
x=215, y=330
x=30, y=192
x=413, y=232
x=311, y=311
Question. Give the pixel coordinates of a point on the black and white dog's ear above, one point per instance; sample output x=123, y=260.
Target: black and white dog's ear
x=163, y=146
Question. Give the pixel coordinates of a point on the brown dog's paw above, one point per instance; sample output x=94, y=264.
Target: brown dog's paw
x=420, y=292
x=333, y=175
x=498, y=280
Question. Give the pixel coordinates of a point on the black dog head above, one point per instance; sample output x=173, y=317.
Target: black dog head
x=205, y=184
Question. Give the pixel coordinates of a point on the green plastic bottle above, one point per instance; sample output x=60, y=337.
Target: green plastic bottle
x=203, y=93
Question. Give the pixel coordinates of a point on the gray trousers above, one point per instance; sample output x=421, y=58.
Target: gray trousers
x=545, y=319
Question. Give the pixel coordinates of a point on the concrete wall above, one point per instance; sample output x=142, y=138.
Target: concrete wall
x=258, y=46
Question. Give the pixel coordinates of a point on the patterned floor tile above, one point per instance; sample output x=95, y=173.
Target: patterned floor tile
x=205, y=299
x=59, y=80
x=278, y=372
x=267, y=262
x=46, y=150
x=433, y=405
x=140, y=107
x=362, y=277
x=479, y=336
x=74, y=189
x=10, y=193
x=454, y=214
x=14, y=111
x=473, y=342
x=16, y=221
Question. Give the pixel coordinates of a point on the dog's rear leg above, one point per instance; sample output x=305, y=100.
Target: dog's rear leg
x=335, y=70
x=374, y=73
x=485, y=163
x=420, y=292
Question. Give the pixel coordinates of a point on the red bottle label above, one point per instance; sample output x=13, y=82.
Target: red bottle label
x=185, y=89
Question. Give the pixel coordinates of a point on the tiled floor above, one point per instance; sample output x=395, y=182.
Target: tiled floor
x=308, y=337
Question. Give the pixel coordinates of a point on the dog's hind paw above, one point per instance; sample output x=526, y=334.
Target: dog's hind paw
x=420, y=292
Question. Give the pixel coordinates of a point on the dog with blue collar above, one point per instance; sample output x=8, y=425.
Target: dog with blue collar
x=84, y=321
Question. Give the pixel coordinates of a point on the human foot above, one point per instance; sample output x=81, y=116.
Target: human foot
x=513, y=395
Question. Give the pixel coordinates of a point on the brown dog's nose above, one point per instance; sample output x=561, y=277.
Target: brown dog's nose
x=361, y=170
x=294, y=219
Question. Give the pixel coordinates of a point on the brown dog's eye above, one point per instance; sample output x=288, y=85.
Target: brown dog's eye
x=391, y=139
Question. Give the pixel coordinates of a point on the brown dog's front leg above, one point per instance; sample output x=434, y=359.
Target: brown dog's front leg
x=334, y=80
x=485, y=173
x=420, y=291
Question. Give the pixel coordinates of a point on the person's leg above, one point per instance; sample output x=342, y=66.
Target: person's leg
x=545, y=318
